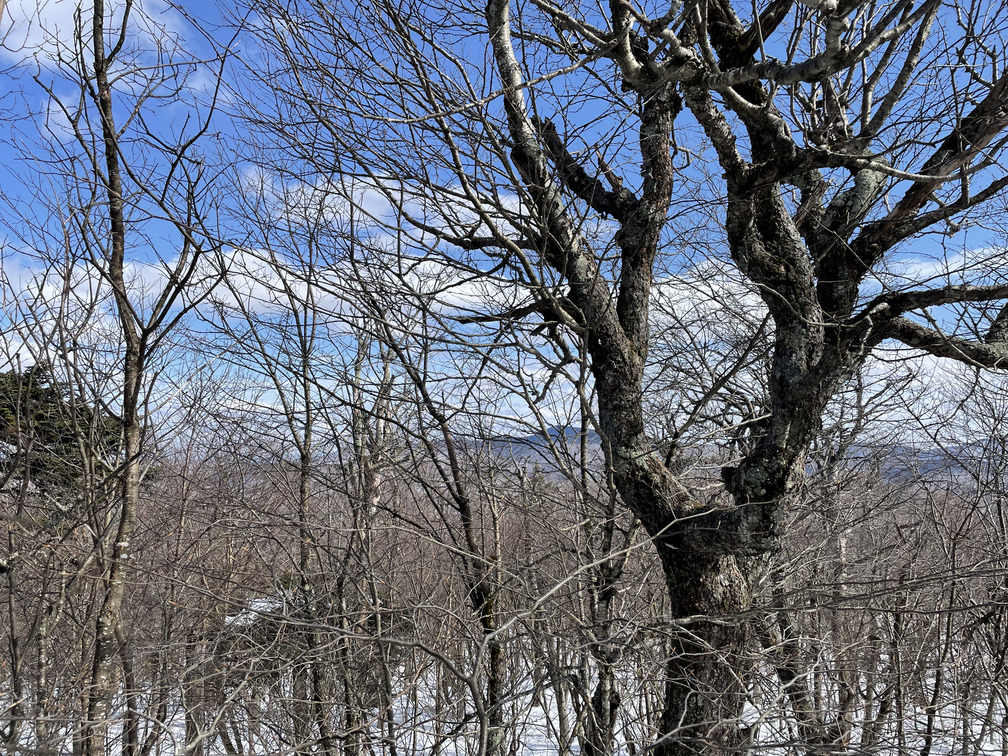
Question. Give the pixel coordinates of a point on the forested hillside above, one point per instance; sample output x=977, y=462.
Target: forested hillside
x=530, y=378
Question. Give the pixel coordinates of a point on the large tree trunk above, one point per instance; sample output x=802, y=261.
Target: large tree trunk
x=702, y=547
x=705, y=688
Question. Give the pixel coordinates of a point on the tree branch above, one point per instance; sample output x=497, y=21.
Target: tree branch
x=617, y=203
x=993, y=356
x=974, y=132
x=896, y=303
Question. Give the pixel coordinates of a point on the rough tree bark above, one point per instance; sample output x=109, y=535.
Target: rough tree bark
x=817, y=188
x=808, y=276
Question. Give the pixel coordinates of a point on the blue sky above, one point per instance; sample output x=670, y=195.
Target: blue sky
x=37, y=146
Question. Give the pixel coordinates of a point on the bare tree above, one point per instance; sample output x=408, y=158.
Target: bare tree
x=810, y=141
x=124, y=195
x=541, y=402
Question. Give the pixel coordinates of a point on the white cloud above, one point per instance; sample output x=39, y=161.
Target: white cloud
x=44, y=29
x=917, y=269
x=51, y=31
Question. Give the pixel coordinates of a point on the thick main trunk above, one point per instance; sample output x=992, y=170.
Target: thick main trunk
x=708, y=587
x=705, y=687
